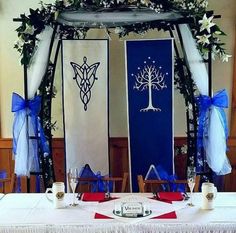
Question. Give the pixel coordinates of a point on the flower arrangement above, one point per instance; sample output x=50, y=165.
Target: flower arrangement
x=203, y=28
x=181, y=150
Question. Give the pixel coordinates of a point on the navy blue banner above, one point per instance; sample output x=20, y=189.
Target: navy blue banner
x=150, y=105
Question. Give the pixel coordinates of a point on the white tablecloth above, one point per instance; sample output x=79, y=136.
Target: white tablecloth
x=34, y=213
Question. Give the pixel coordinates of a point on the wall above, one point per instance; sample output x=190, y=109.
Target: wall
x=223, y=72
x=11, y=75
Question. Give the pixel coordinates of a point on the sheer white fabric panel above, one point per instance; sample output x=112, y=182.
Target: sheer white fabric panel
x=215, y=143
x=194, y=59
x=21, y=157
x=27, y=149
x=39, y=61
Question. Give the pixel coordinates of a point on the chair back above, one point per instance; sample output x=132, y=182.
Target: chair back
x=89, y=184
x=26, y=184
x=4, y=185
x=119, y=184
x=163, y=185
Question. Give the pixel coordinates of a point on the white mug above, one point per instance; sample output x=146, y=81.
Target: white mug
x=58, y=194
x=209, y=193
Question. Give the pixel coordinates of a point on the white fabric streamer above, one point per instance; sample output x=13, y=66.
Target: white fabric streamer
x=215, y=144
x=26, y=151
x=22, y=151
x=39, y=62
x=194, y=59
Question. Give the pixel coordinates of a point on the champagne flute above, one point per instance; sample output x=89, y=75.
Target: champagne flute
x=73, y=176
x=191, y=176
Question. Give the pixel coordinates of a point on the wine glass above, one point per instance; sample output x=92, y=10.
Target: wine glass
x=73, y=176
x=191, y=176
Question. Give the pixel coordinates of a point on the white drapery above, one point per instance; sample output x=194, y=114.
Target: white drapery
x=26, y=151
x=215, y=144
x=39, y=62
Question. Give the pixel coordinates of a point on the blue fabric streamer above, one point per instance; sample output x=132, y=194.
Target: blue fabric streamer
x=170, y=178
x=98, y=185
x=219, y=100
x=3, y=175
x=32, y=107
x=163, y=175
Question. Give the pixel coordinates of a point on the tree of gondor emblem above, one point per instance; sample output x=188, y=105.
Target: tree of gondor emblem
x=149, y=78
x=85, y=76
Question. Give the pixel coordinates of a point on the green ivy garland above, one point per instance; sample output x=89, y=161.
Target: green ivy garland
x=204, y=30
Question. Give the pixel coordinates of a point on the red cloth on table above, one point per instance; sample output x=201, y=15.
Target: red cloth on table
x=101, y=216
x=93, y=197
x=162, y=196
x=170, y=196
x=170, y=215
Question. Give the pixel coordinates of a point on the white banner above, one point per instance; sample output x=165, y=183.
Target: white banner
x=85, y=101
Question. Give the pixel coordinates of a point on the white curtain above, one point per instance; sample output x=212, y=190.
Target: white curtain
x=215, y=142
x=39, y=61
x=26, y=151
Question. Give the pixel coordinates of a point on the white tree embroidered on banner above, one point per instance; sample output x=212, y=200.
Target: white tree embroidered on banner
x=151, y=78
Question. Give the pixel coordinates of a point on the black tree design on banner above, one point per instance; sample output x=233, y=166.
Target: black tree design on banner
x=85, y=77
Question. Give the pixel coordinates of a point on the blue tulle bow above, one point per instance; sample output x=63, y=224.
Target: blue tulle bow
x=3, y=175
x=219, y=100
x=98, y=185
x=163, y=175
x=32, y=108
x=170, y=178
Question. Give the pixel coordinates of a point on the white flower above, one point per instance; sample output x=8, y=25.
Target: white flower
x=225, y=57
x=204, y=53
x=119, y=30
x=204, y=4
x=56, y=15
x=184, y=149
x=218, y=32
x=190, y=107
x=29, y=30
x=66, y=3
x=20, y=42
x=190, y=5
x=80, y=34
x=145, y=2
x=120, y=1
x=215, y=51
x=204, y=39
x=206, y=23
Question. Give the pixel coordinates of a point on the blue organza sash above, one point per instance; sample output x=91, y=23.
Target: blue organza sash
x=213, y=131
x=96, y=186
x=219, y=100
x=27, y=124
x=160, y=173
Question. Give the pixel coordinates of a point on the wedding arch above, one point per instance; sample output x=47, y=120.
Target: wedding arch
x=188, y=21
